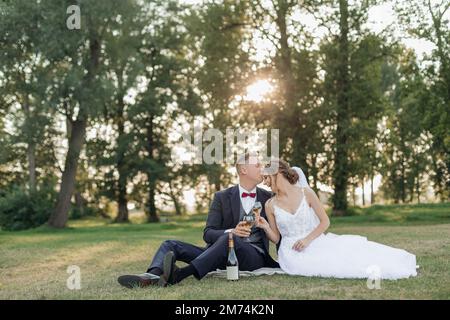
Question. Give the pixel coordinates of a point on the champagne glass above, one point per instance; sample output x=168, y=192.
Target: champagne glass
x=257, y=210
x=249, y=219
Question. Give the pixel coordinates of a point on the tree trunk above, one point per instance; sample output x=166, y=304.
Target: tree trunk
x=372, y=200
x=31, y=155
x=340, y=174
x=217, y=181
x=122, y=215
x=31, y=151
x=314, y=173
x=58, y=218
x=152, y=214
x=396, y=199
x=402, y=182
x=288, y=89
x=363, y=194
x=443, y=56
x=418, y=188
x=285, y=62
x=176, y=203
x=354, y=195
x=80, y=203
x=438, y=180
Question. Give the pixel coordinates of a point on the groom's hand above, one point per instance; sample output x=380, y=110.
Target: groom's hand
x=241, y=230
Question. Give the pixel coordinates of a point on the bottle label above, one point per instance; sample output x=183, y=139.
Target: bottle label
x=233, y=273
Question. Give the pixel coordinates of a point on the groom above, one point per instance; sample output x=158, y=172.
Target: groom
x=225, y=214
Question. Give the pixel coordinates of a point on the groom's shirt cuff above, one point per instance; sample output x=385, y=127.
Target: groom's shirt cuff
x=228, y=230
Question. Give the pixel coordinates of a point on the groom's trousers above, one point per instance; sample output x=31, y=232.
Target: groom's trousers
x=209, y=259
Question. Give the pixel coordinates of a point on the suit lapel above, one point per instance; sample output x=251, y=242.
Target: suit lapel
x=235, y=204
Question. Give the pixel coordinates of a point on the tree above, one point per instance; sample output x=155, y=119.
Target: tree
x=343, y=65
x=217, y=32
x=24, y=79
x=166, y=91
x=428, y=20
x=123, y=66
x=405, y=142
x=294, y=67
x=77, y=90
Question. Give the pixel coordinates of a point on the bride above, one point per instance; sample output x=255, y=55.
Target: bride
x=296, y=214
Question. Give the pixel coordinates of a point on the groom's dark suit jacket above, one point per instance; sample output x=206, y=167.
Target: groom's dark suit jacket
x=224, y=214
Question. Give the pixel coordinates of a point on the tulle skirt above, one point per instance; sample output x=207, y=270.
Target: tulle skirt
x=346, y=256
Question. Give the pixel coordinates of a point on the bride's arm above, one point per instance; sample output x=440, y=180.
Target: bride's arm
x=270, y=227
x=315, y=203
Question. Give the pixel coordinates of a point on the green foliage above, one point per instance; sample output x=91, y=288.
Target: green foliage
x=406, y=145
x=78, y=213
x=429, y=213
x=137, y=70
x=21, y=209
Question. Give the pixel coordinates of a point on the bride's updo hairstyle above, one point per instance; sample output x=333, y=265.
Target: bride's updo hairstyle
x=283, y=168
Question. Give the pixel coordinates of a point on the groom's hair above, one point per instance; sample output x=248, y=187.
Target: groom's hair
x=243, y=159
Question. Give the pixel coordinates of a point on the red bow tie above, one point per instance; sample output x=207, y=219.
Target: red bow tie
x=245, y=194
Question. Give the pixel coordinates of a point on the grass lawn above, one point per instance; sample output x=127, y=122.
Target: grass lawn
x=33, y=264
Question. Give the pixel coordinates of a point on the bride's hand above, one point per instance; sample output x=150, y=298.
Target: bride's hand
x=301, y=244
x=262, y=223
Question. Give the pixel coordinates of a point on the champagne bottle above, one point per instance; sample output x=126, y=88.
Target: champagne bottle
x=232, y=262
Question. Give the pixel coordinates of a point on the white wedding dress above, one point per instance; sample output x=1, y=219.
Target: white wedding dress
x=336, y=256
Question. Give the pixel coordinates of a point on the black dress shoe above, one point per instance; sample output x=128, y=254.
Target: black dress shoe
x=170, y=270
x=139, y=280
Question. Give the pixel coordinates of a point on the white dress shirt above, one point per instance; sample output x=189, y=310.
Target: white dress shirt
x=247, y=202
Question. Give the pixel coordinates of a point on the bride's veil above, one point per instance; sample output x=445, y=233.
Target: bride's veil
x=302, y=181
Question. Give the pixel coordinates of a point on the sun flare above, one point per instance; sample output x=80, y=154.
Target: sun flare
x=258, y=90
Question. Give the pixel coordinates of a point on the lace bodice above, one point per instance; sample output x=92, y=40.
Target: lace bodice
x=297, y=225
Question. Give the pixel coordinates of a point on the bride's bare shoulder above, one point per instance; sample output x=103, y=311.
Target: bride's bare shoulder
x=269, y=204
x=310, y=195
x=309, y=191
